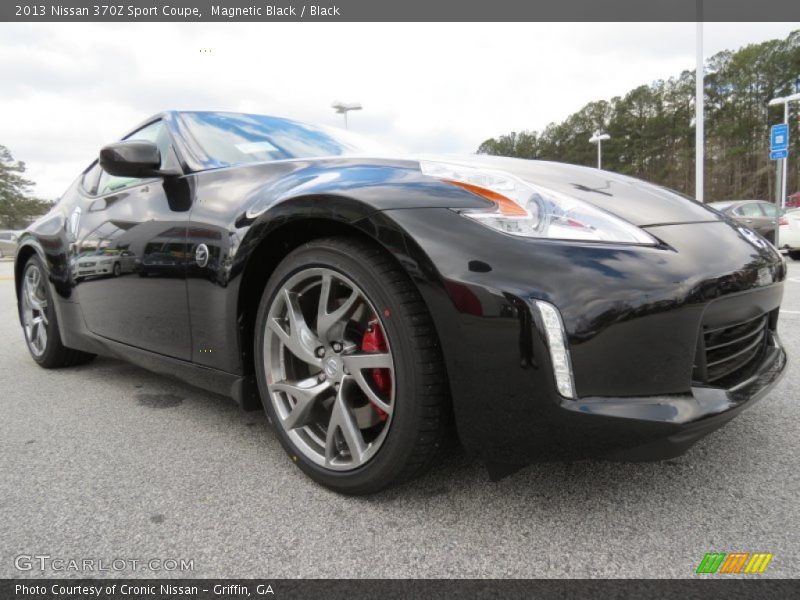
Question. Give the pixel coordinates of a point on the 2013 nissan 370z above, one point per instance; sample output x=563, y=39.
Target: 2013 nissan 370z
x=369, y=302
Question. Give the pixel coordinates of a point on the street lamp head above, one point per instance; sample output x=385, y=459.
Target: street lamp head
x=343, y=107
x=784, y=100
x=599, y=137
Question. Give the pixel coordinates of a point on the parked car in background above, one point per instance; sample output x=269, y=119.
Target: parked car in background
x=789, y=234
x=8, y=243
x=758, y=215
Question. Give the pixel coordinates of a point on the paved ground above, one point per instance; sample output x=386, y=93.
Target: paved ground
x=109, y=461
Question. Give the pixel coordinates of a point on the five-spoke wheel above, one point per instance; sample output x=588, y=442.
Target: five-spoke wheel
x=39, y=321
x=330, y=384
x=34, y=309
x=349, y=367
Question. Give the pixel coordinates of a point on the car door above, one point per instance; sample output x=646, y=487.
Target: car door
x=135, y=224
x=771, y=215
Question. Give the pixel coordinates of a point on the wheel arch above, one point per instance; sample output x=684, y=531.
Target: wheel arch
x=24, y=252
x=267, y=255
x=374, y=228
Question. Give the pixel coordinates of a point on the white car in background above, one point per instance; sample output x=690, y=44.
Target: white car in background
x=8, y=242
x=789, y=233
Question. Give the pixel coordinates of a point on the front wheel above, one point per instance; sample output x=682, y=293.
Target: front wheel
x=39, y=321
x=349, y=366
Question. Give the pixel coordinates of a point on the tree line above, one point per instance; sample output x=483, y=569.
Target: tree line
x=652, y=126
x=17, y=206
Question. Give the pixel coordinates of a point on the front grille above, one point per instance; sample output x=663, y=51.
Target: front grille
x=728, y=355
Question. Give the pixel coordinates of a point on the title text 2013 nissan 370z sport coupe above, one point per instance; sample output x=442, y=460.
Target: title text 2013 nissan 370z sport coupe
x=373, y=303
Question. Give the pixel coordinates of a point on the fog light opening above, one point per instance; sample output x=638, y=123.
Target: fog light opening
x=557, y=344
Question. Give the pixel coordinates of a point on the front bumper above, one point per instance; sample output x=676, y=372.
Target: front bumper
x=685, y=417
x=632, y=317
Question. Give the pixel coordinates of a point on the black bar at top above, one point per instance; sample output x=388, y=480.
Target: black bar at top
x=401, y=10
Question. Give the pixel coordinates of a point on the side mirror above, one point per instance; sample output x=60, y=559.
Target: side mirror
x=131, y=158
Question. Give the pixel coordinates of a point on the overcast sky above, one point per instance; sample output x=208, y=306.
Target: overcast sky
x=69, y=88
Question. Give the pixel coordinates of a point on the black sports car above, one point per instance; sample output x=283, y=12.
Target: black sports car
x=550, y=311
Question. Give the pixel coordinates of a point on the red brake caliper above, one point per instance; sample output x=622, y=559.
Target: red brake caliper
x=374, y=341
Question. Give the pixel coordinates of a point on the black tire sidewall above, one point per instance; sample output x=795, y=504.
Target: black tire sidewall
x=393, y=455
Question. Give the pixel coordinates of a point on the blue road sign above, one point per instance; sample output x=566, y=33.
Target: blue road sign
x=776, y=154
x=779, y=137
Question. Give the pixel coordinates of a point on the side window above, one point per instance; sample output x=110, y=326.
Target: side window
x=770, y=210
x=749, y=210
x=156, y=133
x=90, y=179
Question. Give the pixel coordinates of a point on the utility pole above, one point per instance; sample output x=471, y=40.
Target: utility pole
x=699, y=102
x=598, y=138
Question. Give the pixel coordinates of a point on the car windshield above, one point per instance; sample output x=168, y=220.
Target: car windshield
x=232, y=139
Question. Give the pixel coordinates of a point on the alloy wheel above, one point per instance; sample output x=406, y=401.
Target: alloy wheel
x=34, y=310
x=329, y=369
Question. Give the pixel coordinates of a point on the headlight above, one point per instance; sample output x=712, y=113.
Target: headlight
x=528, y=210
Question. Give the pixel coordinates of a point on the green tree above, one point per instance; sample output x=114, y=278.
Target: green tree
x=652, y=128
x=17, y=206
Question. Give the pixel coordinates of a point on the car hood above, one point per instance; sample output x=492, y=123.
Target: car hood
x=634, y=200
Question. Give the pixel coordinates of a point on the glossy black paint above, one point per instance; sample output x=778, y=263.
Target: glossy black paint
x=131, y=158
x=632, y=313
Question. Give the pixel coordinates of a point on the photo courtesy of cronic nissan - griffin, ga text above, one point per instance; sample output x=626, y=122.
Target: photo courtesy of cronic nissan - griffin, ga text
x=375, y=303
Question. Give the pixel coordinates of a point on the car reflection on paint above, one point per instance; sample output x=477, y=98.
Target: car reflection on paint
x=106, y=261
x=162, y=258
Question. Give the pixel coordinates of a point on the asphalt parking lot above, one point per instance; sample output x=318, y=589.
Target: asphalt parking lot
x=109, y=461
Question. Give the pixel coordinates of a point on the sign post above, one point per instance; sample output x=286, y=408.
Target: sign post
x=779, y=151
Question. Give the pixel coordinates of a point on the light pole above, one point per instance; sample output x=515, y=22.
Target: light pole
x=699, y=107
x=345, y=107
x=598, y=138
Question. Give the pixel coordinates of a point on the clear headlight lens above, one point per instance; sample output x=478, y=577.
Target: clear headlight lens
x=528, y=210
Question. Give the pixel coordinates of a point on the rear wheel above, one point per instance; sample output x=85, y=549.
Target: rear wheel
x=349, y=367
x=39, y=321
x=794, y=254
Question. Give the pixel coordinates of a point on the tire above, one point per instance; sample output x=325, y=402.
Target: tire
x=412, y=411
x=117, y=270
x=40, y=323
x=794, y=254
